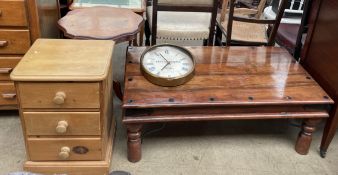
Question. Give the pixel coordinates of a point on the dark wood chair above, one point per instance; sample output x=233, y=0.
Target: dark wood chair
x=291, y=36
x=174, y=24
x=242, y=29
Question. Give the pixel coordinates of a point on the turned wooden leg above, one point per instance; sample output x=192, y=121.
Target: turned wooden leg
x=329, y=131
x=305, y=136
x=134, y=142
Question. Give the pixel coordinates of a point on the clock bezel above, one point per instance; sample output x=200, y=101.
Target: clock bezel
x=168, y=82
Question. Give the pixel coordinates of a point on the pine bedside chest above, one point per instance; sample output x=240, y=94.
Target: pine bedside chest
x=64, y=92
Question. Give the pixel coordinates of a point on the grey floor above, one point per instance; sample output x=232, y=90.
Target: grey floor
x=256, y=147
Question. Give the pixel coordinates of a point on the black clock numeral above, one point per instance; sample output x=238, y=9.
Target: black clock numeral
x=166, y=51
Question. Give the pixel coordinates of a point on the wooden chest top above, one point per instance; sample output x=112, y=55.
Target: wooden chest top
x=227, y=76
x=65, y=60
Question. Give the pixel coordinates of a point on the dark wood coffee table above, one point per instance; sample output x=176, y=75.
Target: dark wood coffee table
x=230, y=83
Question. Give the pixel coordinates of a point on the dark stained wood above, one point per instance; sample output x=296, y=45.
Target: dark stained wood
x=229, y=83
x=106, y=23
x=134, y=142
x=305, y=136
x=230, y=76
x=320, y=58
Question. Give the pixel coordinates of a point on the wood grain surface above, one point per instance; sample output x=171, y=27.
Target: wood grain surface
x=13, y=13
x=62, y=60
x=227, y=76
x=97, y=23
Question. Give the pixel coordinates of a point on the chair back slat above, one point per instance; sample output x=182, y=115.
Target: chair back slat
x=279, y=16
x=260, y=8
x=205, y=3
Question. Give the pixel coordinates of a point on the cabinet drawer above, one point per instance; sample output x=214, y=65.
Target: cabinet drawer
x=7, y=94
x=13, y=13
x=14, y=41
x=62, y=123
x=7, y=64
x=59, y=95
x=44, y=149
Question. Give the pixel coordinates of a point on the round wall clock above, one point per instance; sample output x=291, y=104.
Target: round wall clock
x=167, y=65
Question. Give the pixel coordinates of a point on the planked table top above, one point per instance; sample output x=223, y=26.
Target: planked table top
x=235, y=76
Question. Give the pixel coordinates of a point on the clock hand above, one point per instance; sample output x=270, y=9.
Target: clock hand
x=165, y=66
x=164, y=58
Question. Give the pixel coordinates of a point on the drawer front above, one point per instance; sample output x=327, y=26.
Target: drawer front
x=62, y=123
x=14, y=41
x=44, y=149
x=13, y=13
x=59, y=95
x=7, y=94
x=7, y=64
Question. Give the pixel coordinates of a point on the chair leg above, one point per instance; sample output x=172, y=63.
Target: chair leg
x=205, y=42
x=147, y=33
x=218, y=37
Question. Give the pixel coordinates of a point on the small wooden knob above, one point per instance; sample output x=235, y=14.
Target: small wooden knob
x=3, y=43
x=61, y=127
x=59, y=98
x=64, y=153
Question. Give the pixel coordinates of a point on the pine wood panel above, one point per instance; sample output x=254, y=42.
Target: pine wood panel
x=7, y=64
x=67, y=63
x=17, y=41
x=76, y=167
x=45, y=149
x=13, y=13
x=41, y=95
x=236, y=75
x=79, y=123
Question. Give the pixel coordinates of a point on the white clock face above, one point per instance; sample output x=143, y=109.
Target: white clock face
x=167, y=62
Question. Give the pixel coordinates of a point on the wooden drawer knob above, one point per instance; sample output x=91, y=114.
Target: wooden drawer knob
x=3, y=43
x=9, y=96
x=64, y=153
x=59, y=98
x=62, y=126
x=5, y=70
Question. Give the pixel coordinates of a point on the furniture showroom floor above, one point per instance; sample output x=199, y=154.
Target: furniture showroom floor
x=221, y=147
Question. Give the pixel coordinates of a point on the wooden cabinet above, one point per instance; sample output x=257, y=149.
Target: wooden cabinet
x=64, y=91
x=21, y=23
x=320, y=58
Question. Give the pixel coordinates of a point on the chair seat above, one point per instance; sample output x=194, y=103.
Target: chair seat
x=246, y=32
x=181, y=25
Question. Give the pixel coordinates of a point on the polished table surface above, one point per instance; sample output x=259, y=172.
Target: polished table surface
x=229, y=76
x=229, y=83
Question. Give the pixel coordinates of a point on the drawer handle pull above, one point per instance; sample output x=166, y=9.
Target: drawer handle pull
x=9, y=96
x=3, y=43
x=59, y=98
x=62, y=126
x=0, y=13
x=64, y=153
x=5, y=70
